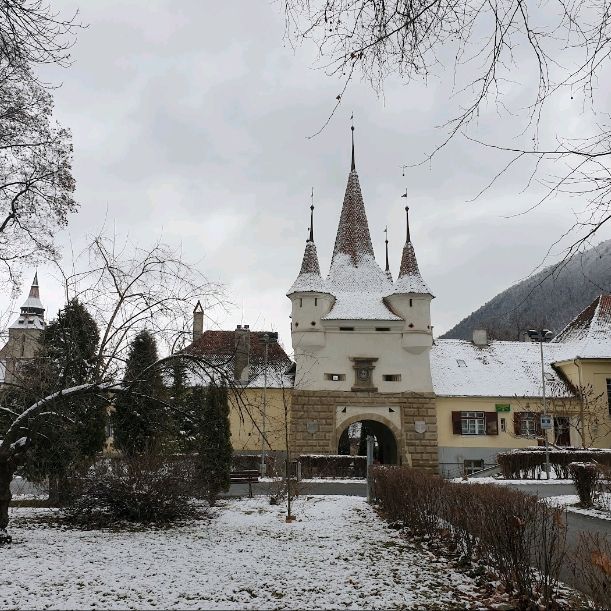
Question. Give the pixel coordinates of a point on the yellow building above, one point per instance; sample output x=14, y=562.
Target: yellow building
x=489, y=393
x=260, y=395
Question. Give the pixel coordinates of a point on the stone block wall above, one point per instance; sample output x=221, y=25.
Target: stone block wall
x=314, y=429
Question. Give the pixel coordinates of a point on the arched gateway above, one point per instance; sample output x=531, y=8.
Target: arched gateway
x=385, y=444
x=361, y=342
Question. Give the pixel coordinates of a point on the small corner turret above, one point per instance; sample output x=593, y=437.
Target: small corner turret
x=411, y=299
x=309, y=296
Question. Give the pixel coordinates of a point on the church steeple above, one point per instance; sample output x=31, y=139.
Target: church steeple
x=33, y=305
x=409, y=280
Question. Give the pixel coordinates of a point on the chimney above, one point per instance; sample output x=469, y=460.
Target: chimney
x=198, y=321
x=242, y=353
x=480, y=337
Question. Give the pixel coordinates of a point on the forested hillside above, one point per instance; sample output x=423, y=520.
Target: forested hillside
x=548, y=299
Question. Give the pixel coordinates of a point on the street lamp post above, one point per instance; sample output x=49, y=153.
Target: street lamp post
x=268, y=338
x=541, y=336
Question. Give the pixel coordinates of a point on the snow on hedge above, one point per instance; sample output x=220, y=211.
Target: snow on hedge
x=340, y=555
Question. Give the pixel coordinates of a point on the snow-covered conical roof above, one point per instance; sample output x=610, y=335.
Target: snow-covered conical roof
x=355, y=279
x=409, y=280
x=353, y=265
x=33, y=304
x=309, y=279
x=32, y=310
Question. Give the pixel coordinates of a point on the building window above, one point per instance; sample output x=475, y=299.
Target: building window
x=392, y=377
x=335, y=377
x=301, y=302
x=473, y=466
x=472, y=423
x=528, y=425
x=315, y=301
x=410, y=303
x=346, y=328
x=609, y=394
x=382, y=328
x=503, y=425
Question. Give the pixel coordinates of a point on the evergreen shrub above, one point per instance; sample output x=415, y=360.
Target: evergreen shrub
x=332, y=466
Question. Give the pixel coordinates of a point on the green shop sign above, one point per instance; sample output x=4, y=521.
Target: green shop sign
x=503, y=407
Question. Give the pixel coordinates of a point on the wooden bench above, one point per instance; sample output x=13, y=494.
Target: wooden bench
x=248, y=476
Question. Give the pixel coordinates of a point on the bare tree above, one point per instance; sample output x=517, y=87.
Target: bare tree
x=492, y=50
x=126, y=289
x=36, y=182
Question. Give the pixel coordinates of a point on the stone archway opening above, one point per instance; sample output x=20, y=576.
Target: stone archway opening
x=352, y=441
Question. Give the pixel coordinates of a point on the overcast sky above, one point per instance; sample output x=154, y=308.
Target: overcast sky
x=190, y=121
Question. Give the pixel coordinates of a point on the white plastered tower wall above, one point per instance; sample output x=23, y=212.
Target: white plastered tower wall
x=357, y=322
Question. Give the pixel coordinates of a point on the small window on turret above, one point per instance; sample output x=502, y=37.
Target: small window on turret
x=315, y=301
x=300, y=302
x=382, y=328
x=346, y=328
x=410, y=303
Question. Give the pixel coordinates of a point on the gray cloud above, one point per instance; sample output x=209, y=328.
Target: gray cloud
x=190, y=120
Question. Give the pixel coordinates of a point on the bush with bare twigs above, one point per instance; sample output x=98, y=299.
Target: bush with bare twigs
x=592, y=565
x=521, y=539
x=143, y=489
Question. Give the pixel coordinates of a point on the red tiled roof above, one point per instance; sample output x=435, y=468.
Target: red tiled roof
x=223, y=343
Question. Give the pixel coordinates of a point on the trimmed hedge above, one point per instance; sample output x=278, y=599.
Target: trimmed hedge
x=333, y=466
x=530, y=462
x=252, y=462
x=520, y=538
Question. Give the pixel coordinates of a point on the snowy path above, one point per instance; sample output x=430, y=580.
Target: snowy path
x=340, y=555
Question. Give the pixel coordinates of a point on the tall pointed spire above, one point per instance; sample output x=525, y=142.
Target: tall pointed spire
x=409, y=280
x=312, y=217
x=353, y=165
x=353, y=264
x=309, y=278
x=407, y=236
x=33, y=305
x=387, y=270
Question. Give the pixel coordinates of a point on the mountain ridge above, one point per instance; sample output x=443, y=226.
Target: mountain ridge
x=550, y=298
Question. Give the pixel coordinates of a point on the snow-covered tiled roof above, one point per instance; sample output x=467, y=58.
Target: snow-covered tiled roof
x=410, y=280
x=359, y=289
x=588, y=335
x=309, y=278
x=28, y=321
x=459, y=368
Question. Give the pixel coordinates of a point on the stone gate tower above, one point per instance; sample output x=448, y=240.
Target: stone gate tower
x=361, y=345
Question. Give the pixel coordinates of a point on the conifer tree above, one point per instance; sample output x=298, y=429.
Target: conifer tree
x=213, y=438
x=72, y=432
x=139, y=416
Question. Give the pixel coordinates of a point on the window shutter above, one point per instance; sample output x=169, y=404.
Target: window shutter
x=456, y=424
x=492, y=423
x=517, y=423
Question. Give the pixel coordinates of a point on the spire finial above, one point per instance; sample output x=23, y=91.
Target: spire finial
x=407, y=236
x=386, y=242
x=312, y=216
x=35, y=281
x=353, y=166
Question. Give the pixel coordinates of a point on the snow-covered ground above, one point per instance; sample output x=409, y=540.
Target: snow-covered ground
x=339, y=554
x=514, y=482
x=569, y=502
